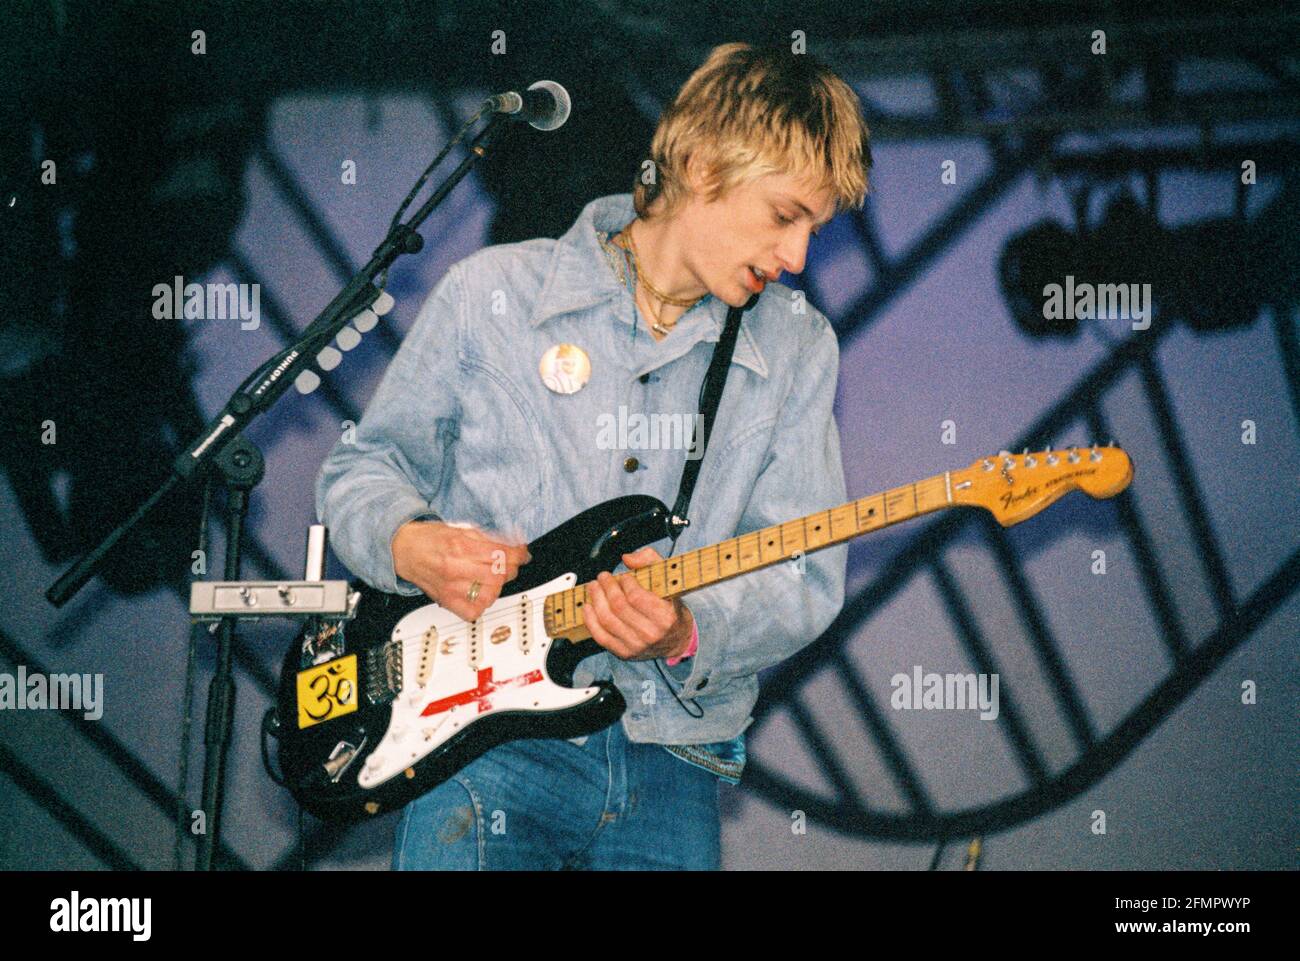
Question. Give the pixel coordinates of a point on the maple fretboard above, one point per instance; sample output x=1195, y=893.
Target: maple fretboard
x=761, y=548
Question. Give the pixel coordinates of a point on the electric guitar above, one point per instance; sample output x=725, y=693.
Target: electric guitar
x=376, y=711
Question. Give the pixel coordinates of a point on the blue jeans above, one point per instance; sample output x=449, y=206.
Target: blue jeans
x=610, y=804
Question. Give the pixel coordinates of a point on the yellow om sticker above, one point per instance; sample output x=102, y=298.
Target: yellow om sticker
x=327, y=691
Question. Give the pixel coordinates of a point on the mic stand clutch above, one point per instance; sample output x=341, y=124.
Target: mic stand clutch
x=240, y=465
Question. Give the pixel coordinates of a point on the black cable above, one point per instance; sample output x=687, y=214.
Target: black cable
x=938, y=854
x=182, y=815
x=269, y=722
x=659, y=667
x=187, y=704
x=382, y=280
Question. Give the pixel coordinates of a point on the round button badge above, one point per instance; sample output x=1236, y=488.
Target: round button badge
x=565, y=368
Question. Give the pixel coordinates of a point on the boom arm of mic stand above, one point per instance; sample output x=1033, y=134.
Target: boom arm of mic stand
x=244, y=405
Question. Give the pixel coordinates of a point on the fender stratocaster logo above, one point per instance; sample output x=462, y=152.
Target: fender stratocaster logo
x=1011, y=497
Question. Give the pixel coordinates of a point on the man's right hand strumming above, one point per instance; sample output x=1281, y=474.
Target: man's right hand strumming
x=461, y=568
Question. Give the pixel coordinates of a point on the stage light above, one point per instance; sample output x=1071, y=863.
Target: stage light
x=1031, y=261
x=1215, y=281
x=1274, y=245
x=1128, y=247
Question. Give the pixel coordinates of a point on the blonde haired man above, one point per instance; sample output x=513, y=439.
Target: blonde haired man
x=760, y=148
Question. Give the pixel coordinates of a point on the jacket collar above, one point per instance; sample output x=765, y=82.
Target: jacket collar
x=578, y=278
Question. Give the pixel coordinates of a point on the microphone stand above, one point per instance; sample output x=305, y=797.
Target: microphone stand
x=239, y=464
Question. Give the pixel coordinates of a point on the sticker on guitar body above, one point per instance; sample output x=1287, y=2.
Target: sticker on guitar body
x=486, y=686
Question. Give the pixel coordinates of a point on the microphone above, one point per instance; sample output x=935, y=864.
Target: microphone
x=545, y=105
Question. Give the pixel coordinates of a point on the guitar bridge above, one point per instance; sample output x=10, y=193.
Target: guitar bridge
x=384, y=672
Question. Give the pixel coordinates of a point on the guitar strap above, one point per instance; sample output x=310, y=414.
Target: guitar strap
x=710, y=396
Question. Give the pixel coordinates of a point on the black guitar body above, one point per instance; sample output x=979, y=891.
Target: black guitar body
x=320, y=762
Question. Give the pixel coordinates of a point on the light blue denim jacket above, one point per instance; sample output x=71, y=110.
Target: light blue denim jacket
x=463, y=429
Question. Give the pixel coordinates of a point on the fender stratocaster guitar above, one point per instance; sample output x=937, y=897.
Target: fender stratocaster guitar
x=377, y=711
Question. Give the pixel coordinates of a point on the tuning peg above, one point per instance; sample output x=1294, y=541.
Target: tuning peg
x=1073, y=456
x=1030, y=460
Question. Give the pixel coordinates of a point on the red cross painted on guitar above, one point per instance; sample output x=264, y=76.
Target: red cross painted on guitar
x=485, y=687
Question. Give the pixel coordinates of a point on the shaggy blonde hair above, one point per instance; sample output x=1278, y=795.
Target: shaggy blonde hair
x=748, y=112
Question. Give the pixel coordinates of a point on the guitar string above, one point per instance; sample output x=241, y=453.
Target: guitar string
x=489, y=624
x=503, y=617
x=927, y=485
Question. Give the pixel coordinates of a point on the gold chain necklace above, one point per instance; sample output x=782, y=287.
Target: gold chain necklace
x=658, y=326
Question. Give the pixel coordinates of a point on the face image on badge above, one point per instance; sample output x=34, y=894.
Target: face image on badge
x=565, y=368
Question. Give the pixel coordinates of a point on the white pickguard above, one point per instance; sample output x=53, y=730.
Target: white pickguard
x=455, y=673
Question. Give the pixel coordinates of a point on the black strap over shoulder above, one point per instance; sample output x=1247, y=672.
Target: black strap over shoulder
x=710, y=396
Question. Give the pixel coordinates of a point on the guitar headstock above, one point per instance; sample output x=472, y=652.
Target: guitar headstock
x=1014, y=487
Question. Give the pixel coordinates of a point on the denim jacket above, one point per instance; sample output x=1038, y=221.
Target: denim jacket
x=462, y=428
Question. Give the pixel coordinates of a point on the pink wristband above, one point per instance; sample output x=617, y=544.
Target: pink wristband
x=690, y=648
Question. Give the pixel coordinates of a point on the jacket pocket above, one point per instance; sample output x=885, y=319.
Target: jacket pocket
x=503, y=464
